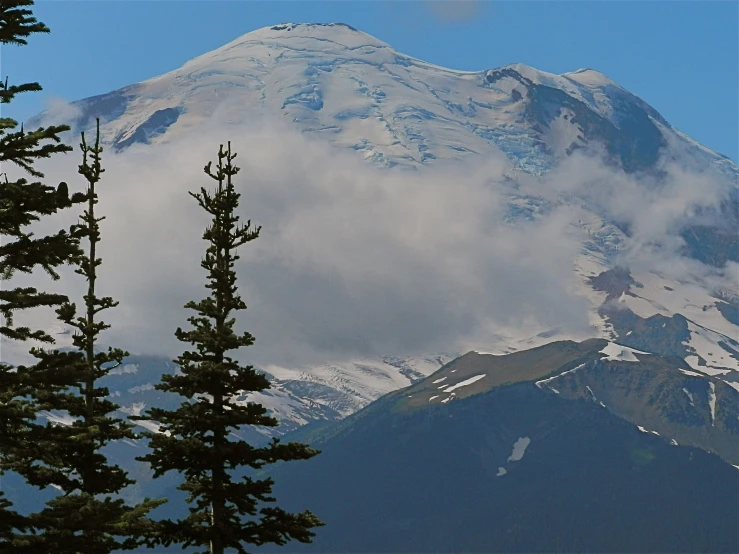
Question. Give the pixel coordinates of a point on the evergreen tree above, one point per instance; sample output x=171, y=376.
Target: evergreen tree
x=21, y=204
x=88, y=517
x=195, y=439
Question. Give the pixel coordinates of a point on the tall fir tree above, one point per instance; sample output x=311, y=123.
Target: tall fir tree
x=196, y=439
x=21, y=204
x=89, y=517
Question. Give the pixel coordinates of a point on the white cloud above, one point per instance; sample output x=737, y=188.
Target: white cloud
x=353, y=260
x=653, y=209
x=58, y=109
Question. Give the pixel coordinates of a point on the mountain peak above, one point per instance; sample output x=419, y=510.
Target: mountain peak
x=583, y=76
x=589, y=77
x=291, y=26
x=359, y=92
x=336, y=32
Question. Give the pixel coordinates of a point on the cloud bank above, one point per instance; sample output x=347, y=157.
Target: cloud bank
x=356, y=261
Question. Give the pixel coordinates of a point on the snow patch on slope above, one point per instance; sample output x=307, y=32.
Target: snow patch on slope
x=713, y=353
x=134, y=409
x=618, y=353
x=519, y=448
x=544, y=381
x=466, y=382
x=659, y=295
x=362, y=381
x=58, y=418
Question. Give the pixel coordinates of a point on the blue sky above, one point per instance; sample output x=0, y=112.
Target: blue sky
x=682, y=57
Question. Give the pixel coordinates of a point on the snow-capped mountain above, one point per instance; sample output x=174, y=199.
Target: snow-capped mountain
x=358, y=92
x=335, y=83
x=297, y=396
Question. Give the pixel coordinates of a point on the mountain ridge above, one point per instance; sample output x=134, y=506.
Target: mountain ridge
x=243, y=61
x=656, y=394
x=514, y=469
x=338, y=84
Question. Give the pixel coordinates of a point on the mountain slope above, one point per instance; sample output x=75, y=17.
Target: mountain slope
x=658, y=394
x=335, y=83
x=296, y=397
x=515, y=468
